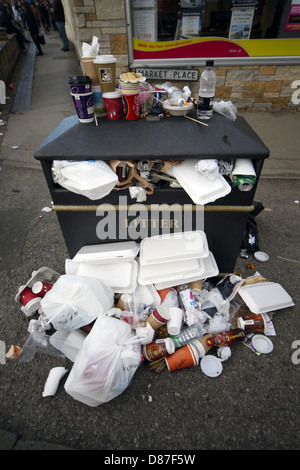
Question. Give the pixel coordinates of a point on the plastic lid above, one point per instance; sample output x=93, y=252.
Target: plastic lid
x=211, y=366
x=105, y=59
x=261, y=256
x=37, y=287
x=79, y=80
x=112, y=94
x=32, y=306
x=262, y=344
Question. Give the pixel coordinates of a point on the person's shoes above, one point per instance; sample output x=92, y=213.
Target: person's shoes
x=65, y=49
x=40, y=53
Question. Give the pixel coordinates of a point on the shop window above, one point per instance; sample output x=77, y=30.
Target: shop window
x=215, y=28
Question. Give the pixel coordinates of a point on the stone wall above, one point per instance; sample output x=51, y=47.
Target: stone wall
x=265, y=87
x=9, y=54
x=104, y=19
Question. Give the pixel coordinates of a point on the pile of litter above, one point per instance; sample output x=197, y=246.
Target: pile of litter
x=157, y=303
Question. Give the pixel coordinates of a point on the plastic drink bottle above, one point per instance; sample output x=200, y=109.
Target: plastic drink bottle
x=226, y=338
x=187, y=335
x=207, y=91
x=175, y=96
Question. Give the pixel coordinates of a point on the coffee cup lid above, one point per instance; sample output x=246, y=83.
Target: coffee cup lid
x=79, y=80
x=104, y=59
x=33, y=305
x=37, y=287
x=112, y=94
x=211, y=366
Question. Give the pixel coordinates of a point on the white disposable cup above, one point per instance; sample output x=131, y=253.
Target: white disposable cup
x=175, y=322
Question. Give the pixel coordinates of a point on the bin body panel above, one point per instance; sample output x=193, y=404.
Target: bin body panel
x=224, y=229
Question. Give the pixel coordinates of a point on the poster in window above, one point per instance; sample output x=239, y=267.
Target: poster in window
x=144, y=25
x=190, y=24
x=293, y=21
x=241, y=23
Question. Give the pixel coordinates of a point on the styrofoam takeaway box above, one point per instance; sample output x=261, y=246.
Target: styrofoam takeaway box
x=173, y=247
x=265, y=297
x=200, y=189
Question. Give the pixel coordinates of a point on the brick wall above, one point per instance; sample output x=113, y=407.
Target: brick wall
x=264, y=88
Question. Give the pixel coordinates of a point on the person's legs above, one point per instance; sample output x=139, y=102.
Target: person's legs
x=37, y=43
x=61, y=29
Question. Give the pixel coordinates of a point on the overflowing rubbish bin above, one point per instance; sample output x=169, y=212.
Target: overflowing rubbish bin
x=153, y=212
x=174, y=202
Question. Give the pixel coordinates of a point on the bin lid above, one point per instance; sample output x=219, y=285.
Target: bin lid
x=171, y=137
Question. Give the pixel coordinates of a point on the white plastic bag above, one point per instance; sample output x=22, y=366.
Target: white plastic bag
x=225, y=108
x=75, y=301
x=90, y=178
x=106, y=363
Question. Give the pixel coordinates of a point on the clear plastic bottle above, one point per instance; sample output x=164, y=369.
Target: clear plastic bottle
x=207, y=91
x=175, y=96
x=188, y=334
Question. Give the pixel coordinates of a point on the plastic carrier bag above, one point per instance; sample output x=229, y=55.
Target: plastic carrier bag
x=75, y=301
x=106, y=363
x=93, y=179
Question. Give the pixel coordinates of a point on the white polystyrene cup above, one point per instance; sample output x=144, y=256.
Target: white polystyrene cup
x=175, y=322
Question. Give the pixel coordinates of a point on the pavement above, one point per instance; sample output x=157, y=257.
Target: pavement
x=252, y=405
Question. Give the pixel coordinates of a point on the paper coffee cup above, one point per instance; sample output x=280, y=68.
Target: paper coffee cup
x=105, y=66
x=201, y=345
x=90, y=71
x=83, y=103
x=175, y=322
x=113, y=104
x=31, y=301
x=196, y=286
x=186, y=356
x=158, y=317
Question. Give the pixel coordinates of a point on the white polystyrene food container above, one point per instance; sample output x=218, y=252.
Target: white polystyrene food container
x=170, y=271
x=210, y=270
x=107, y=253
x=43, y=274
x=147, y=295
x=121, y=277
x=265, y=297
x=173, y=247
x=200, y=189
